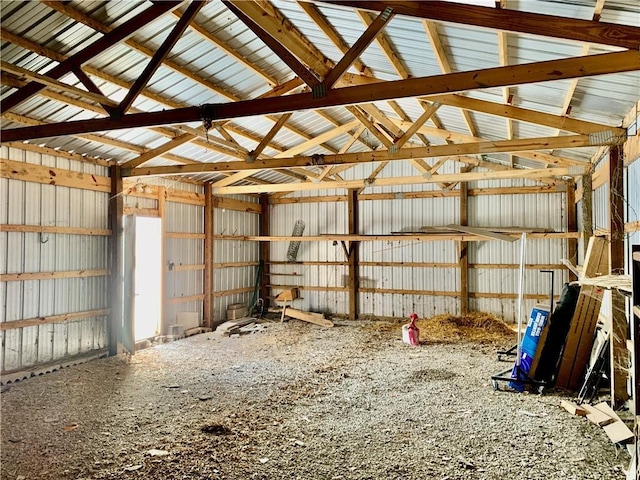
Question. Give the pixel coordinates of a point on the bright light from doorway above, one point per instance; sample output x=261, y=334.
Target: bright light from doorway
x=148, y=277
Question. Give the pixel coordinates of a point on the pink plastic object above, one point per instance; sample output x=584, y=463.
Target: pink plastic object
x=411, y=333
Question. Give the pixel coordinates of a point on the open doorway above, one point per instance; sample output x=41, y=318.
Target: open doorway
x=147, y=277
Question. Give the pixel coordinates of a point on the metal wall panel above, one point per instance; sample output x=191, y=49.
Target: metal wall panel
x=231, y=222
x=632, y=196
x=26, y=203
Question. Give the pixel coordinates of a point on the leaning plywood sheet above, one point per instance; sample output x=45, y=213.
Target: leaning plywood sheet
x=618, y=432
x=577, y=350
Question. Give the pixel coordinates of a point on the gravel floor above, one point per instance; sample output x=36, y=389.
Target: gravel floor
x=296, y=401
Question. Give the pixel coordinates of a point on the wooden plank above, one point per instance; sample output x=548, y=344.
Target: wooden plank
x=185, y=235
x=116, y=260
x=587, y=208
x=483, y=232
x=188, y=298
x=235, y=291
x=596, y=416
x=208, y=255
x=618, y=432
x=162, y=204
x=55, y=230
x=392, y=238
x=316, y=318
x=28, y=172
x=30, y=322
x=158, y=151
x=236, y=205
x=463, y=256
x=605, y=408
x=264, y=227
x=17, y=277
x=572, y=408
x=581, y=334
x=141, y=212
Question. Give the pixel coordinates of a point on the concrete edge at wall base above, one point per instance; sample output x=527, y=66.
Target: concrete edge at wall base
x=15, y=376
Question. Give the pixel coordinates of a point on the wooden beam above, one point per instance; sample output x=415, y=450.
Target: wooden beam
x=358, y=48
x=156, y=152
x=265, y=248
x=413, y=129
x=247, y=12
x=353, y=219
x=463, y=254
x=55, y=230
x=162, y=214
x=160, y=54
x=318, y=139
x=389, y=238
x=23, y=277
x=619, y=355
x=237, y=205
x=587, y=208
x=229, y=50
x=453, y=177
x=208, y=256
x=99, y=46
x=116, y=260
x=29, y=172
x=525, y=115
x=602, y=64
x=474, y=148
x=587, y=31
x=571, y=225
x=254, y=154
x=66, y=317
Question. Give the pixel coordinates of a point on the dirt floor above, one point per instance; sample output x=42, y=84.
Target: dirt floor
x=298, y=401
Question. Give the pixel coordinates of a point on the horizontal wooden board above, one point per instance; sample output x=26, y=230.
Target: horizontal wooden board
x=16, y=277
x=30, y=322
x=52, y=229
x=28, y=172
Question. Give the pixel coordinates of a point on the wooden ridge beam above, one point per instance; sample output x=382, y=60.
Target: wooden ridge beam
x=476, y=79
x=473, y=148
x=588, y=31
x=75, y=61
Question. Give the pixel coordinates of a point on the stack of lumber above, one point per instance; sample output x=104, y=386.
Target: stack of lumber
x=577, y=349
x=237, y=327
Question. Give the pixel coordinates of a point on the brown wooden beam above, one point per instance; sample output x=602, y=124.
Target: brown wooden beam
x=265, y=249
x=116, y=260
x=587, y=209
x=588, y=31
x=99, y=46
x=602, y=64
x=276, y=47
x=207, y=313
x=463, y=247
x=619, y=328
x=354, y=253
x=160, y=54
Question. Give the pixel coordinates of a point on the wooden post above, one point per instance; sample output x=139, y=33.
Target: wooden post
x=162, y=199
x=207, y=314
x=116, y=212
x=587, y=209
x=265, y=249
x=619, y=327
x=572, y=226
x=463, y=258
x=354, y=247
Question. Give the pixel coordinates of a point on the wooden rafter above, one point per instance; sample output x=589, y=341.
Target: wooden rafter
x=160, y=54
x=452, y=177
x=413, y=129
x=156, y=152
x=243, y=11
x=441, y=56
x=358, y=47
x=474, y=148
x=588, y=31
x=75, y=61
x=493, y=77
x=255, y=153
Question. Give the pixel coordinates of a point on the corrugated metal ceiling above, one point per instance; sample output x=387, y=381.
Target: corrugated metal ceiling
x=210, y=75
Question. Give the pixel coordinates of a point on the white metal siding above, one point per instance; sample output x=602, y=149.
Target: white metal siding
x=25, y=203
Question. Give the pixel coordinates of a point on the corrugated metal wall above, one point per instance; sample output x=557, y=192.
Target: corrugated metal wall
x=236, y=280
x=432, y=289
x=27, y=203
x=632, y=196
